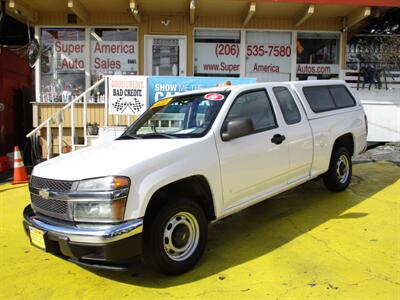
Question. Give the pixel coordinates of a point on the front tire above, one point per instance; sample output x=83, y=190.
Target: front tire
x=338, y=176
x=177, y=237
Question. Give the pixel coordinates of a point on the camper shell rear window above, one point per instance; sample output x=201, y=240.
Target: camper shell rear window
x=328, y=97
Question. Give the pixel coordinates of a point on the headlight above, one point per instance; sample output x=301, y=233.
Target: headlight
x=100, y=211
x=103, y=208
x=103, y=184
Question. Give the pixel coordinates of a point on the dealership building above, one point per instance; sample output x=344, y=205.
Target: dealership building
x=270, y=40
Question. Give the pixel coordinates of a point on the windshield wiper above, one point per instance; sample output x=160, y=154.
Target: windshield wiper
x=128, y=136
x=158, y=134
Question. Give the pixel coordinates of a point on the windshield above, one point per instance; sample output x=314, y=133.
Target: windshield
x=178, y=117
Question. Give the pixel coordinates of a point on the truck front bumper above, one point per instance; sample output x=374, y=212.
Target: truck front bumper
x=87, y=243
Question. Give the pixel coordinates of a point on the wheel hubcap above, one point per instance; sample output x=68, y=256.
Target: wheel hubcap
x=181, y=236
x=342, y=168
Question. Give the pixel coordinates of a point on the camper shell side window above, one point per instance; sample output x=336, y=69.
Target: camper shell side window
x=328, y=97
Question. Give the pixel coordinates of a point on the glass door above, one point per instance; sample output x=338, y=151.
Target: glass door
x=165, y=55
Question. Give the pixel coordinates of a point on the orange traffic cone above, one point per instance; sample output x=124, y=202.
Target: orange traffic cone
x=19, y=168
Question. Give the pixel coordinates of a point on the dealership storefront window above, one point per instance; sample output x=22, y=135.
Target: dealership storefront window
x=62, y=68
x=113, y=51
x=216, y=53
x=74, y=58
x=317, y=55
x=268, y=55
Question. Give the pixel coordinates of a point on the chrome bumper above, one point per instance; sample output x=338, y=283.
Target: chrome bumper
x=99, y=234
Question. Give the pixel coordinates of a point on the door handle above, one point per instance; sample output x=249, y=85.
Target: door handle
x=278, y=139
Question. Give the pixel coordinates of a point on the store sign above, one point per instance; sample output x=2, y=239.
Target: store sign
x=217, y=58
x=127, y=94
x=165, y=86
x=317, y=69
x=268, y=53
x=70, y=55
x=114, y=57
x=106, y=56
x=268, y=58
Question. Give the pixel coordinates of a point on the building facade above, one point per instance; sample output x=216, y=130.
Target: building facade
x=271, y=40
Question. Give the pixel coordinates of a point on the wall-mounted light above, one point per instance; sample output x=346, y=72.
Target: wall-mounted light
x=134, y=10
x=166, y=22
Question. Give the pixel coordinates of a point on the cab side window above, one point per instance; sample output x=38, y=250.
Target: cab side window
x=255, y=106
x=288, y=107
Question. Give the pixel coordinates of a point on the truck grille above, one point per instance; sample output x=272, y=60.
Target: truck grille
x=51, y=184
x=53, y=208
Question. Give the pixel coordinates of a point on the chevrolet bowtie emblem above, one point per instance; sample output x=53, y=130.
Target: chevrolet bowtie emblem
x=44, y=193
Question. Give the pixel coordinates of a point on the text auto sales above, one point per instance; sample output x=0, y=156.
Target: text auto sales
x=69, y=50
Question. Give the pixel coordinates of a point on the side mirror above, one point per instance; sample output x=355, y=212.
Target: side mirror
x=237, y=128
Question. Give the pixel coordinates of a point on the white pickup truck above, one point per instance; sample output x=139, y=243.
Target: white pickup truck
x=189, y=160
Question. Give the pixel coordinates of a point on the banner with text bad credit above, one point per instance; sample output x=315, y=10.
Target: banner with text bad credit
x=127, y=95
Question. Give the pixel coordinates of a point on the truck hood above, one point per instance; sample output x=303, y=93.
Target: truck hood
x=107, y=159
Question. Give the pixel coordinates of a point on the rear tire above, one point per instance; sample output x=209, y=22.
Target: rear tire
x=338, y=176
x=177, y=237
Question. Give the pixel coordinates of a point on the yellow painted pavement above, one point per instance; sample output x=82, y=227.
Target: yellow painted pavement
x=304, y=244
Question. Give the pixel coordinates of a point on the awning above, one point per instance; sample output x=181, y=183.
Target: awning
x=351, y=12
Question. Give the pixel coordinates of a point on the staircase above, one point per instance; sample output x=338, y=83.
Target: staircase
x=59, y=119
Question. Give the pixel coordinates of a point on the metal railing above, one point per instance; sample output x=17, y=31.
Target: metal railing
x=57, y=118
x=373, y=74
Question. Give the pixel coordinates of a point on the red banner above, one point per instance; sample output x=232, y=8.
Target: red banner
x=390, y=3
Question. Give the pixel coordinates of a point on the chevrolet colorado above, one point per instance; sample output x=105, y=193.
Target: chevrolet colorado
x=190, y=160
